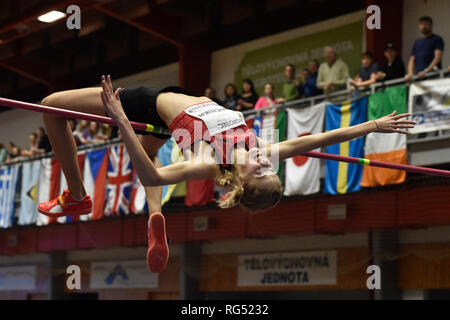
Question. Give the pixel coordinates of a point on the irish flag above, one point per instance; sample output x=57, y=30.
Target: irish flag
x=385, y=147
x=271, y=127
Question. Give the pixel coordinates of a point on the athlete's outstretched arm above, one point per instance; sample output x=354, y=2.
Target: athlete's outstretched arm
x=387, y=124
x=148, y=174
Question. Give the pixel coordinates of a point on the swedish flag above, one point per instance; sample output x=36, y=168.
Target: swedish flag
x=342, y=177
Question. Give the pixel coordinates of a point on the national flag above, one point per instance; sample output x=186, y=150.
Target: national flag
x=119, y=181
x=49, y=186
x=8, y=186
x=382, y=146
x=29, y=193
x=303, y=173
x=343, y=177
x=170, y=153
x=271, y=127
x=94, y=179
x=63, y=186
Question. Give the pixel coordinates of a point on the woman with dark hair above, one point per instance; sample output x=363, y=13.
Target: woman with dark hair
x=33, y=150
x=13, y=152
x=249, y=96
x=268, y=99
x=231, y=97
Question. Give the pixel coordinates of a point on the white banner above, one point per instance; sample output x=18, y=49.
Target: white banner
x=122, y=274
x=429, y=102
x=303, y=173
x=288, y=269
x=18, y=278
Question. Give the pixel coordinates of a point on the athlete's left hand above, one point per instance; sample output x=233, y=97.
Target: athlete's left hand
x=392, y=123
x=111, y=100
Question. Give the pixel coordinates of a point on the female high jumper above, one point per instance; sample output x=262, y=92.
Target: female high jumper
x=216, y=144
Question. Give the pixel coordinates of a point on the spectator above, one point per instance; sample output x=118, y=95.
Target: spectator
x=211, y=94
x=106, y=131
x=290, y=87
x=76, y=135
x=44, y=145
x=268, y=99
x=333, y=74
x=82, y=125
x=93, y=134
x=13, y=152
x=231, y=97
x=33, y=146
x=427, y=51
x=249, y=96
x=3, y=153
x=367, y=73
x=308, y=80
x=394, y=67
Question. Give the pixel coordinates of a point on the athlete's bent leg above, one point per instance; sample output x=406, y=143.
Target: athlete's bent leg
x=75, y=201
x=158, y=249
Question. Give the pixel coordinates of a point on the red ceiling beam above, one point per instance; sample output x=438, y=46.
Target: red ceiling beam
x=157, y=23
x=30, y=69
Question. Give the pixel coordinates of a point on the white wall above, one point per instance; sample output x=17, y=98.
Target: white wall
x=439, y=11
x=16, y=124
x=225, y=62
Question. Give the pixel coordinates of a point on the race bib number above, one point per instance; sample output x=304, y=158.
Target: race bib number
x=216, y=118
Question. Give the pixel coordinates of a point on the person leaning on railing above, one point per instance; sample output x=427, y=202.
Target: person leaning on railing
x=13, y=153
x=333, y=73
x=427, y=51
x=367, y=73
x=249, y=96
x=268, y=99
x=394, y=67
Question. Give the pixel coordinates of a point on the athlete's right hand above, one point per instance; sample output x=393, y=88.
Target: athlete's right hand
x=111, y=100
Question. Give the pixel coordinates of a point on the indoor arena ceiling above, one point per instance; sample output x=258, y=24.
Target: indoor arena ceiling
x=123, y=37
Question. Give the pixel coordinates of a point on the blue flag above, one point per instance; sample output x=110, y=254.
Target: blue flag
x=342, y=177
x=8, y=185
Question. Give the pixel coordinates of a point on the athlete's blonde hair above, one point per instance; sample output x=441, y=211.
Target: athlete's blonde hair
x=251, y=195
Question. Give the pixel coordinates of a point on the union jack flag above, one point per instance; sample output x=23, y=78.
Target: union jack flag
x=119, y=182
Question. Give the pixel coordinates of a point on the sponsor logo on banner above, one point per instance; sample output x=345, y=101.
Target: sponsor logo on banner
x=429, y=102
x=18, y=278
x=122, y=274
x=288, y=269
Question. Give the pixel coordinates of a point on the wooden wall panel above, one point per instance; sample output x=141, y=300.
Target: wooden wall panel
x=424, y=266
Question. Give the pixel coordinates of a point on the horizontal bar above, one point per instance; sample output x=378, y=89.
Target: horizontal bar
x=77, y=115
x=381, y=164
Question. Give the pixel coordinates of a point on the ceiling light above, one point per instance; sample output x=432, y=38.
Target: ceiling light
x=51, y=16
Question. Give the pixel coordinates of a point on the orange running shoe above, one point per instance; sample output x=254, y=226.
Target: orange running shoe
x=158, y=249
x=66, y=205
